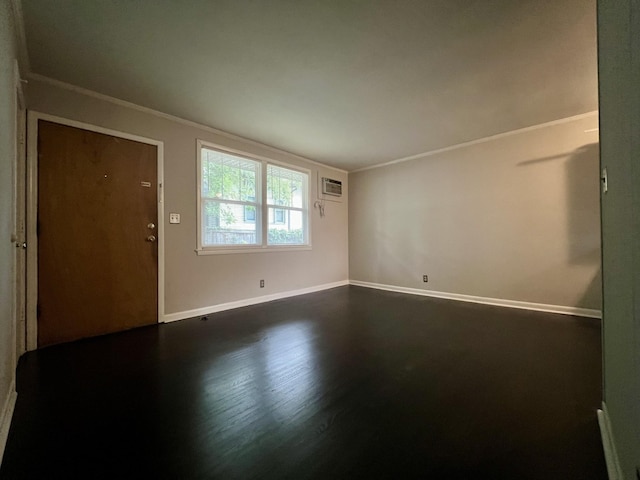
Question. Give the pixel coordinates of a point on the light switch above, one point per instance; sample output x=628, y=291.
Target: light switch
x=174, y=218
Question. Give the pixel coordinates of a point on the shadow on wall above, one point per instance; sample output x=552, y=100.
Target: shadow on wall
x=583, y=211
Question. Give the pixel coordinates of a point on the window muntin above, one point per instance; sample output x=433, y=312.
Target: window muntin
x=237, y=193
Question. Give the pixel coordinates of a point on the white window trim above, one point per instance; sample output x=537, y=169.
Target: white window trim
x=261, y=213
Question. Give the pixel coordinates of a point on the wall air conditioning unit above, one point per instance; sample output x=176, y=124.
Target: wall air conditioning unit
x=331, y=187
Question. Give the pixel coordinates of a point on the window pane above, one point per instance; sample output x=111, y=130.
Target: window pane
x=286, y=227
x=249, y=214
x=297, y=192
x=228, y=177
x=227, y=224
x=285, y=187
x=248, y=181
x=230, y=182
x=211, y=174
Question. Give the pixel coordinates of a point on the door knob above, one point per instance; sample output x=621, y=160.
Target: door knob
x=151, y=238
x=151, y=226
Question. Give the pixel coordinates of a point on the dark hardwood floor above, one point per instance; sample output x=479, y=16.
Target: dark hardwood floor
x=348, y=383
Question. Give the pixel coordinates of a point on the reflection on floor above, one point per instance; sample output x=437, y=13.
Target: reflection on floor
x=342, y=384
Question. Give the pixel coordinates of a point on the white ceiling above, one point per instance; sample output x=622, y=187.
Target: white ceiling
x=349, y=83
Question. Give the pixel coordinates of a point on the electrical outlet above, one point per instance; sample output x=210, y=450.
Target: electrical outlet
x=425, y=278
x=261, y=283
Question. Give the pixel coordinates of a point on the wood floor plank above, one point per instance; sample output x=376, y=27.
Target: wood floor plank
x=342, y=384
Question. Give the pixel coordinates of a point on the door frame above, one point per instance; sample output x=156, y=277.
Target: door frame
x=19, y=218
x=32, y=211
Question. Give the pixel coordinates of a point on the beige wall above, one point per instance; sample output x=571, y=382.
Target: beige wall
x=514, y=218
x=192, y=281
x=7, y=156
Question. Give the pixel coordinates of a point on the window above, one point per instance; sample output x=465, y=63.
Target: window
x=246, y=203
x=286, y=194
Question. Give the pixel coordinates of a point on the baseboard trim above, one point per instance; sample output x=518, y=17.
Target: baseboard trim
x=7, y=415
x=173, y=317
x=538, y=307
x=608, y=445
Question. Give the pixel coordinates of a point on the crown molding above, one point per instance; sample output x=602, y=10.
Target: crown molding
x=483, y=140
x=25, y=68
x=173, y=118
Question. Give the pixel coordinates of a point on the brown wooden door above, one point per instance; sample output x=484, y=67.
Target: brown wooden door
x=97, y=266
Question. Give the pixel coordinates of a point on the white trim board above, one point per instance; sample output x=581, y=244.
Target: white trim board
x=32, y=213
x=7, y=415
x=198, y=312
x=538, y=307
x=608, y=445
x=173, y=118
x=19, y=174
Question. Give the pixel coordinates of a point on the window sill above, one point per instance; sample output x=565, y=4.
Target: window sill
x=236, y=250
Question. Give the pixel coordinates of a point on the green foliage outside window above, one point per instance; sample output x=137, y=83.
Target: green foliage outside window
x=282, y=184
x=225, y=177
x=285, y=237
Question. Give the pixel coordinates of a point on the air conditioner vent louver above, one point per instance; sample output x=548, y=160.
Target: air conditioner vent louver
x=331, y=187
